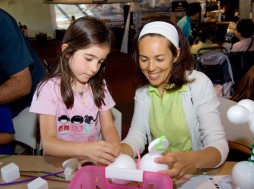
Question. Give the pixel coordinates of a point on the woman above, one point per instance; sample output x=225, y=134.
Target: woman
x=175, y=101
x=205, y=39
x=244, y=32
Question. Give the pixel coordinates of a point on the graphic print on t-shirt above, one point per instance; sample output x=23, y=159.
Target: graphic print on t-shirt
x=89, y=120
x=63, y=129
x=77, y=124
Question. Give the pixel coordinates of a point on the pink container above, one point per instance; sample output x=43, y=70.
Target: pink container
x=98, y=177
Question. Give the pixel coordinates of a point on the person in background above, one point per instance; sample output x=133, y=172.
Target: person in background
x=20, y=26
x=25, y=31
x=205, y=39
x=73, y=102
x=6, y=131
x=231, y=29
x=20, y=66
x=176, y=101
x=193, y=11
x=245, y=89
x=244, y=32
x=73, y=18
x=230, y=37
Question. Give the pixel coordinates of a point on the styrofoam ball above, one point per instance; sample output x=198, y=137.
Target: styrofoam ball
x=243, y=175
x=251, y=122
x=123, y=161
x=238, y=114
x=247, y=103
x=147, y=163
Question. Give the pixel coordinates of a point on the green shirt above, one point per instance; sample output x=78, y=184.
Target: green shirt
x=167, y=118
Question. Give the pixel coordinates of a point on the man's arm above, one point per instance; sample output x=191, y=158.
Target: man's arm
x=17, y=86
x=6, y=138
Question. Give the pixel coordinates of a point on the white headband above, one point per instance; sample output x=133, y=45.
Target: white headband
x=163, y=28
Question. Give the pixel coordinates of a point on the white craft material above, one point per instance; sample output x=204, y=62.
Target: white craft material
x=38, y=183
x=10, y=172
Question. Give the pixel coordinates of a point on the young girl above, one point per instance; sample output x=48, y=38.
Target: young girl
x=73, y=101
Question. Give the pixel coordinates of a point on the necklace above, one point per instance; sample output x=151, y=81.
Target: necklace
x=81, y=94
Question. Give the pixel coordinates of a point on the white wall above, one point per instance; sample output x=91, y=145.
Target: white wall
x=245, y=7
x=33, y=13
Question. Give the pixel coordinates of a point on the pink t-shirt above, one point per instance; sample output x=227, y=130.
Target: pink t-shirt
x=243, y=45
x=79, y=124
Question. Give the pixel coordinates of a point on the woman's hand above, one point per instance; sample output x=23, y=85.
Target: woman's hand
x=102, y=152
x=179, y=163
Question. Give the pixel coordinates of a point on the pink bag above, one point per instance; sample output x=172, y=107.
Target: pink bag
x=99, y=177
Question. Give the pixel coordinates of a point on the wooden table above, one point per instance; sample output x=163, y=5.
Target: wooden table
x=28, y=163
x=225, y=169
x=54, y=164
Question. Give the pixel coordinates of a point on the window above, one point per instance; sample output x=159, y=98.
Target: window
x=113, y=13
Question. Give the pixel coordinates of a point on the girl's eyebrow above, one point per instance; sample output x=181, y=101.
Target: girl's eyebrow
x=89, y=55
x=94, y=56
x=143, y=57
x=155, y=56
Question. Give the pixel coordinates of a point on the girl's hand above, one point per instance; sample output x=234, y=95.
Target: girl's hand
x=102, y=152
x=179, y=163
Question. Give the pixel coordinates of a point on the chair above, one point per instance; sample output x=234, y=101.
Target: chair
x=25, y=125
x=240, y=63
x=238, y=152
x=117, y=116
x=239, y=136
x=214, y=62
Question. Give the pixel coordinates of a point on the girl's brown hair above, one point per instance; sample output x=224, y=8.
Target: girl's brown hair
x=81, y=34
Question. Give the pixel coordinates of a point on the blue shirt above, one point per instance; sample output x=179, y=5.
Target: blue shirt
x=6, y=126
x=15, y=55
x=185, y=25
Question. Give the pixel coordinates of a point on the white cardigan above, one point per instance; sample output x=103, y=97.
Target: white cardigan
x=200, y=105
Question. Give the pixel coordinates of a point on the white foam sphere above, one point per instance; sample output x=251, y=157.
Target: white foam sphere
x=251, y=122
x=247, y=103
x=147, y=164
x=243, y=175
x=123, y=161
x=238, y=114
